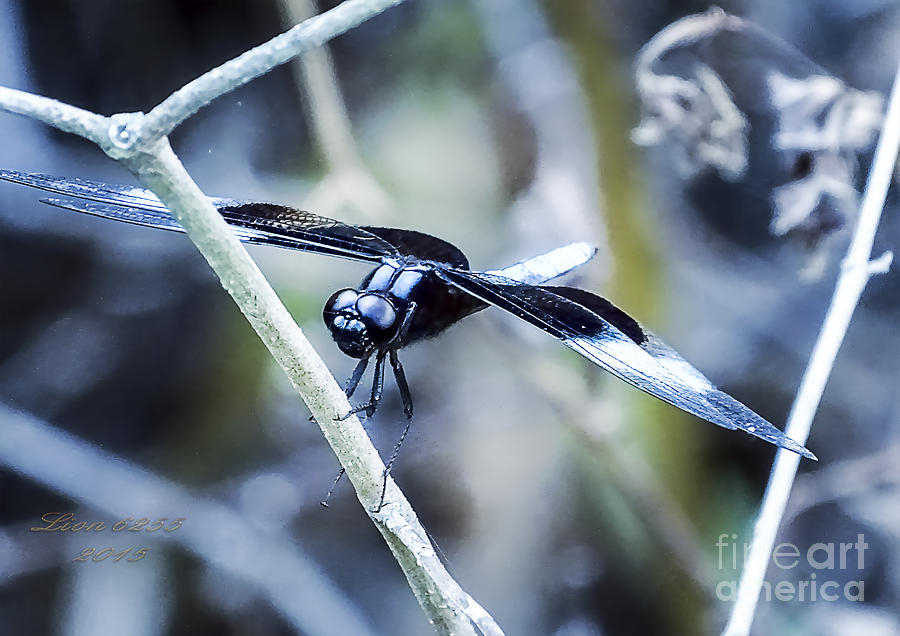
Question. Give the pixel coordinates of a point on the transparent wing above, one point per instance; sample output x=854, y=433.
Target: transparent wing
x=544, y=267
x=608, y=337
x=252, y=222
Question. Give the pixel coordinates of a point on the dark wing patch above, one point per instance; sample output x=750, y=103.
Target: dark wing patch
x=641, y=359
x=285, y=226
x=605, y=309
x=421, y=246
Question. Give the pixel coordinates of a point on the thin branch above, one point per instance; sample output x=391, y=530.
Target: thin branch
x=315, y=71
x=702, y=26
x=855, y=273
x=137, y=141
x=194, y=95
x=348, y=181
x=67, y=118
x=213, y=532
x=683, y=32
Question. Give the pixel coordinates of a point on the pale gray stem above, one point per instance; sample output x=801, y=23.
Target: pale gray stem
x=855, y=273
x=63, y=116
x=330, y=120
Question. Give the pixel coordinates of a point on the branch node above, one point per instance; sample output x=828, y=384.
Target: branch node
x=870, y=268
x=124, y=133
x=882, y=264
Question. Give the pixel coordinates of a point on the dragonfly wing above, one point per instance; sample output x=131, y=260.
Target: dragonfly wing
x=608, y=337
x=545, y=267
x=253, y=222
x=421, y=246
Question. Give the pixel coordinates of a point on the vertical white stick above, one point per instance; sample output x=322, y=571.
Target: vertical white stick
x=855, y=273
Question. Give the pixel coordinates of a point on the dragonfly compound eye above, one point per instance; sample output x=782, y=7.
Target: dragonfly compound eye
x=377, y=311
x=340, y=300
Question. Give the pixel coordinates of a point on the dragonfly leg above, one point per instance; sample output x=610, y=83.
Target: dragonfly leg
x=354, y=379
x=352, y=383
x=407, y=320
x=349, y=388
x=400, y=376
x=324, y=502
x=406, y=396
x=377, y=389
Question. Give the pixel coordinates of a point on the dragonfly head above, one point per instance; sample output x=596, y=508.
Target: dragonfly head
x=361, y=322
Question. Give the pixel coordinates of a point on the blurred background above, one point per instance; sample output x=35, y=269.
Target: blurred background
x=717, y=172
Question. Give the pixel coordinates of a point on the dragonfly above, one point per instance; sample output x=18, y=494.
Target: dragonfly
x=421, y=285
